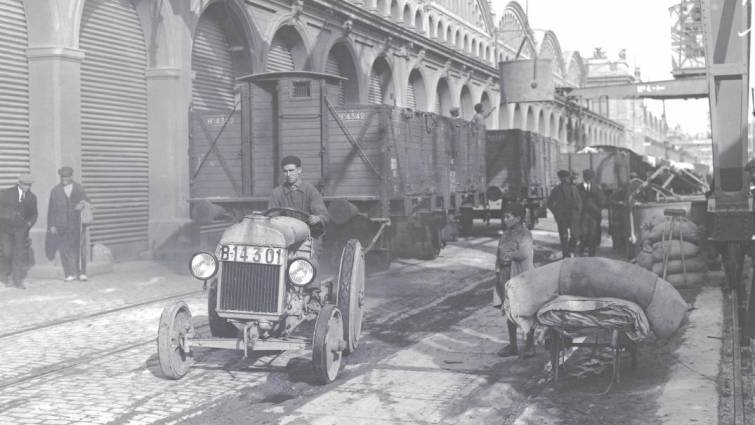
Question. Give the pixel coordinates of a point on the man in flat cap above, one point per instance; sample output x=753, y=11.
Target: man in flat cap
x=18, y=213
x=298, y=194
x=67, y=199
x=566, y=206
x=593, y=202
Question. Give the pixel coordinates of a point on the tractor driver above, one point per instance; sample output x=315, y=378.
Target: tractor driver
x=298, y=194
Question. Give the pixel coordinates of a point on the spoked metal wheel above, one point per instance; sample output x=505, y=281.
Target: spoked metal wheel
x=351, y=277
x=175, y=327
x=328, y=344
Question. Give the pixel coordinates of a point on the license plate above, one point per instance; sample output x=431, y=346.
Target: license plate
x=251, y=254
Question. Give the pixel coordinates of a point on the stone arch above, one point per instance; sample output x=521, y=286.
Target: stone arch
x=474, y=48
x=450, y=35
x=458, y=41
x=520, y=116
x=407, y=15
x=466, y=45
x=541, y=123
x=514, y=29
x=466, y=103
x=383, y=7
x=530, y=124
x=419, y=22
x=287, y=50
x=340, y=60
x=486, y=105
x=443, y=102
x=553, y=131
x=432, y=30
x=417, y=90
x=381, y=88
x=395, y=12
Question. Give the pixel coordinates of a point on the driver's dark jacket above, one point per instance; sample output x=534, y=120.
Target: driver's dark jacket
x=301, y=196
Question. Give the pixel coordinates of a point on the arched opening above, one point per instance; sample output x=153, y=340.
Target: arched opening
x=449, y=36
x=381, y=83
x=466, y=103
x=541, y=122
x=407, y=15
x=504, y=117
x=431, y=28
x=458, y=41
x=474, y=47
x=485, y=102
x=340, y=62
x=467, y=47
x=418, y=22
x=382, y=7
x=287, y=51
x=519, y=117
x=530, y=120
x=553, y=126
x=395, y=12
x=439, y=31
x=443, y=98
x=416, y=93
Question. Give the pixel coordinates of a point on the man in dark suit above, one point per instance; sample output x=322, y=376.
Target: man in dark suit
x=566, y=206
x=18, y=213
x=593, y=201
x=64, y=224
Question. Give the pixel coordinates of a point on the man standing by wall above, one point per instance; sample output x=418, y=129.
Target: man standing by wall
x=593, y=201
x=67, y=199
x=566, y=206
x=18, y=213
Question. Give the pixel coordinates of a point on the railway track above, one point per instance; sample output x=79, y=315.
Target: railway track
x=84, y=316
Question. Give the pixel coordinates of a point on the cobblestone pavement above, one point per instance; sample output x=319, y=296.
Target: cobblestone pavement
x=103, y=369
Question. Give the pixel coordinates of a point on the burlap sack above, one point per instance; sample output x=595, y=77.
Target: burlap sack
x=596, y=277
x=695, y=264
x=676, y=247
x=654, y=229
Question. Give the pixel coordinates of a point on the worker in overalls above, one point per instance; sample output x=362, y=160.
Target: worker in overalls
x=515, y=256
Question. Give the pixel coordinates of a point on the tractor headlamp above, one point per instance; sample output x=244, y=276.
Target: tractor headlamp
x=203, y=265
x=301, y=272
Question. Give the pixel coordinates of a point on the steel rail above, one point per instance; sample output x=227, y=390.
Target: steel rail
x=738, y=404
x=83, y=316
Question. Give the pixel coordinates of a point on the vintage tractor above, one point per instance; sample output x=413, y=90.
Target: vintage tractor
x=263, y=281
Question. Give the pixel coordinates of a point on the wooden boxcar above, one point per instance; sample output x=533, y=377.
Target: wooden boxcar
x=389, y=176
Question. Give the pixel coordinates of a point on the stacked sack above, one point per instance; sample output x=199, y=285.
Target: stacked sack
x=655, y=245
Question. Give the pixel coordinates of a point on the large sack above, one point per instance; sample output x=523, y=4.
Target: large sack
x=676, y=248
x=645, y=257
x=656, y=228
x=596, y=277
x=695, y=264
x=693, y=279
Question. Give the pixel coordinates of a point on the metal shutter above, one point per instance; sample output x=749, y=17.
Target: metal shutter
x=114, y=155
x=279, y=58
x=376, y=89
x=212, y=68
x=213, y=92
x=14, y=93
x=332, y=67
x=411, y=96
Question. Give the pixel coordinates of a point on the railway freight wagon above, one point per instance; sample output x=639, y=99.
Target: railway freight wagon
x=519, y=164
x=612, y=165
x=389, y=176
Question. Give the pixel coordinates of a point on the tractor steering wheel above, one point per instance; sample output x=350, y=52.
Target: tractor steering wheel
x=316, y=230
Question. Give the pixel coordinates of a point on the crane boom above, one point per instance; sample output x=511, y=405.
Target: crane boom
x=687, y=88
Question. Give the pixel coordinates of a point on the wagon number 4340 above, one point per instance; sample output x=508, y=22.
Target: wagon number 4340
x=250, y=254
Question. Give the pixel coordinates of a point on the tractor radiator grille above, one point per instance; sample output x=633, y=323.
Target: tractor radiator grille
x=249, y=287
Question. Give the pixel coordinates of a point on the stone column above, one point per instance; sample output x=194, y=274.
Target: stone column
x=168, y=154
x=54, y=133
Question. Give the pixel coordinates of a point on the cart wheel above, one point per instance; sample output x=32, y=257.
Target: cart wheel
x=328, y=344
x=555, y=351
x=175, y=327
x=351, y=293
x=219, y=327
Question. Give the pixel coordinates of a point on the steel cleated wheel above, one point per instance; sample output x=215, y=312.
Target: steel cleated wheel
x=175, y=327
x=328, y=344
x=351, y=277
